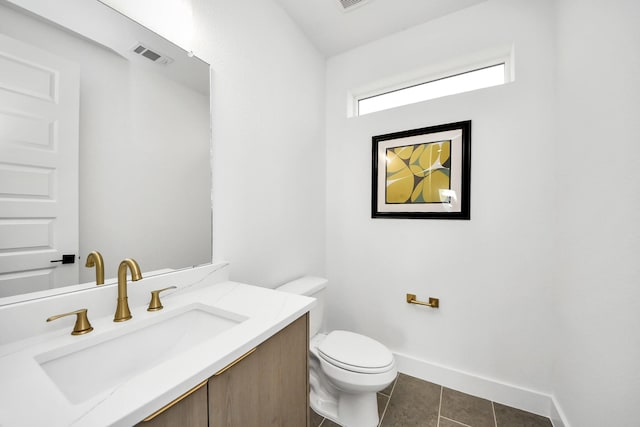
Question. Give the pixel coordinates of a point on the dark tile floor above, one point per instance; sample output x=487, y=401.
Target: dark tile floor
x=411, y=402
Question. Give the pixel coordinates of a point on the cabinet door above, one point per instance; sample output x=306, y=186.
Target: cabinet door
x=268, y=388
x=189, y=410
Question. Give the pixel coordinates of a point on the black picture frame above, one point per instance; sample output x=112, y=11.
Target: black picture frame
x=413, y=177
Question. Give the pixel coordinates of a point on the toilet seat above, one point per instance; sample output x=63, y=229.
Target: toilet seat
x=356, y=353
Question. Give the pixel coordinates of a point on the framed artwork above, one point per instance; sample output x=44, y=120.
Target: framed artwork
x=422, y=173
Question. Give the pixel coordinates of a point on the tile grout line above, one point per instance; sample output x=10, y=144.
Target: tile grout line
x=384, y=411
x=493, y=409
x=457, y=422
x=388, y=401
x=439, y=407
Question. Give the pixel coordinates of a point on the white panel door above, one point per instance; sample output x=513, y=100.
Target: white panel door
x=39, y=106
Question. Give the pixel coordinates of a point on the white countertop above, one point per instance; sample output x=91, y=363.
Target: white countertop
x=28, y=397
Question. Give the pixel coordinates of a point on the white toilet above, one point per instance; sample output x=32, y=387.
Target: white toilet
x=346, y=369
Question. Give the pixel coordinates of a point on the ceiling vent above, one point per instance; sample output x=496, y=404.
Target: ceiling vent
x=351, y=4
x=152, y=55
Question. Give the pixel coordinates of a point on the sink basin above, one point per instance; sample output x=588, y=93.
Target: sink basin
x=84, y=370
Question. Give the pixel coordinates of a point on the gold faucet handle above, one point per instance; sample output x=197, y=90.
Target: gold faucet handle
x=155, y=304
x=82, y=325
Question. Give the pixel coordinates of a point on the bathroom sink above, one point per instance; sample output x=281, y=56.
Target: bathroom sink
x=88, y=368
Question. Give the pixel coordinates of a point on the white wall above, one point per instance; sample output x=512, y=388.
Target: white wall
x=596, y=375
x=268, y=154
x=493, y=273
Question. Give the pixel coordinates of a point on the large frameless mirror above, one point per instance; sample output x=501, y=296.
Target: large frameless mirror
x=104, y=146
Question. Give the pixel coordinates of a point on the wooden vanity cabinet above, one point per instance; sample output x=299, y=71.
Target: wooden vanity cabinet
x=267, y=387
x=189, y=410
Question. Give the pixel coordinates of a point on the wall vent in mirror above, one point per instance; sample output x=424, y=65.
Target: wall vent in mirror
x=152, y=55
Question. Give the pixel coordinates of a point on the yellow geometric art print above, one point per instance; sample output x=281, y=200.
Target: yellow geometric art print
x=418, y=173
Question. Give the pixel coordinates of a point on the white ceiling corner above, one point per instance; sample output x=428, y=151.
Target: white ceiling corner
x=334, y=30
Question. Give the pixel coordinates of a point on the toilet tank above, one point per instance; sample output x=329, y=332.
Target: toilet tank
x=313, y=287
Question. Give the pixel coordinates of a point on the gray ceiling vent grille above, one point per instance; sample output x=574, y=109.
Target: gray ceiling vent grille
x=150, y=54
x=351, y=4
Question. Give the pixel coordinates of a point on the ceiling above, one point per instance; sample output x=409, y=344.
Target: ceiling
x=334, y=30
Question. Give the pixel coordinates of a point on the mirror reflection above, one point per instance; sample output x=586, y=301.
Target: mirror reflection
x=104, y=146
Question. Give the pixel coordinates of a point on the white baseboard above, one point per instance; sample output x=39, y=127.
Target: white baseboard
x=507, y=394
x=557, y=416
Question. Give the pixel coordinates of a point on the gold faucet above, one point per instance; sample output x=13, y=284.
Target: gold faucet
x=122, y=310
x=94, y=259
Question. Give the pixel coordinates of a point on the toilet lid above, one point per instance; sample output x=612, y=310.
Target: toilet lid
x=355, y=352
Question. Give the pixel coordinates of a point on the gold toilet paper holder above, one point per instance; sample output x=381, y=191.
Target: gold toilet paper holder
x=433, y=302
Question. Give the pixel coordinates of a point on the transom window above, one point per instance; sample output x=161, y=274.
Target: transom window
x=492, y=75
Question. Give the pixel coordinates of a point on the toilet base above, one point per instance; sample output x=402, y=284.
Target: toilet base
x=323, y=397
x=358, y=410
x=325, y=408
x=348, y=410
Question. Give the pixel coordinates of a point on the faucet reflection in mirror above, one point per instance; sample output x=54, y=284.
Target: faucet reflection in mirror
x=94, y=259
x=122, y=310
